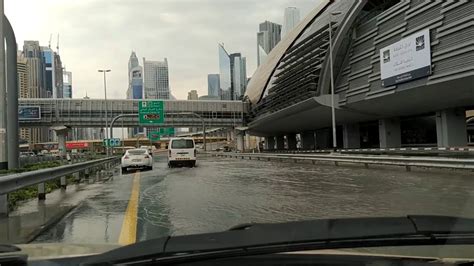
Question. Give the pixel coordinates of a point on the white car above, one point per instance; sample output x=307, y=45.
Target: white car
x=181, y=151
x=137, y=159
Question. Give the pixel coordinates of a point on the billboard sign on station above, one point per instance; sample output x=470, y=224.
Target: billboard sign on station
x=407, y=59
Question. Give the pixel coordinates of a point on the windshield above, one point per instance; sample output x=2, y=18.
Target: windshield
x=156, y=118
x=182, y=144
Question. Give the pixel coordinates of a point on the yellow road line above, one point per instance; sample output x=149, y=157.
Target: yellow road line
x=128, y=234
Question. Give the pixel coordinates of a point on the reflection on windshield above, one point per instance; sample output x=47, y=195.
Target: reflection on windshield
x=231, y=112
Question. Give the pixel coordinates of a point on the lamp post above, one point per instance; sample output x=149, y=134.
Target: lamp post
x=333, y=110
x=105, y=71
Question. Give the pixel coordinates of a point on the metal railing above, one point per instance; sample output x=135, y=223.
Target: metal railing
x=407, y=162
x=14, y=182
x=75, y=158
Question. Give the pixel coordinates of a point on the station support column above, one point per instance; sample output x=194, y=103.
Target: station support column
x=451, y=128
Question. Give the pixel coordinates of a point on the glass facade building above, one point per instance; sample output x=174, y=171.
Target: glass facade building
x=290, y=20
x=67, y=84
x=233, y=75
x=225, y=92
x=267, y=38
x=213, y=84
x=48, y=59
x=156, y=79
x=135, y=86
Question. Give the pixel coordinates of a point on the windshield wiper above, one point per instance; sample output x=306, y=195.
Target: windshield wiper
x=6, y=248
x=253, y=239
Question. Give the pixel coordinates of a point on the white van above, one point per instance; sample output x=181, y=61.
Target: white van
x=181, y=151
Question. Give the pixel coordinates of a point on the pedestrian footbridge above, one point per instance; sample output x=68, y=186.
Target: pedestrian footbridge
x=92, y=113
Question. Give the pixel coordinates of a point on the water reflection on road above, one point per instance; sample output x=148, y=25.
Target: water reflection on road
x=221, y=193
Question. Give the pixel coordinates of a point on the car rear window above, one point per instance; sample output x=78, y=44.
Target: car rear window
x=137, y=152
x=182, y=144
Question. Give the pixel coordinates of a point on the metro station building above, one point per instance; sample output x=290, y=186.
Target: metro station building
x=403, y=76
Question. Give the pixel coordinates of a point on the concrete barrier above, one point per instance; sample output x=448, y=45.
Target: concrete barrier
x=366, y=160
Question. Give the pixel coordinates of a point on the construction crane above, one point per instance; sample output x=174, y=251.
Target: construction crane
x=57, y=46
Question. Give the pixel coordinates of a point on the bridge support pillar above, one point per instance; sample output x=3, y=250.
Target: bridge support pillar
x=308, y=140
x=240, y=140
x=247, y=142
x=390, y=133
x=351, y=136
x=269, y=143
x=61, y=132
x=280, y=142
x=291, y=141
x=451, y=128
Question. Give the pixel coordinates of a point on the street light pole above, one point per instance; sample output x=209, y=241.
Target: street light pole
x=333, y=109
x=105, y=71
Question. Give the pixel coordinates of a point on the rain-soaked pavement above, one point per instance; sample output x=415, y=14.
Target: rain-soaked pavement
x=221, y=193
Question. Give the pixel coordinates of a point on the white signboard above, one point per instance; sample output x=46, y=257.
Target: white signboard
x=407, y=59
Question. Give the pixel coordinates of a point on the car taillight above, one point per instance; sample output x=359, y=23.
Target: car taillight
x=169, y=152
x=126, y=157
x=194, y=152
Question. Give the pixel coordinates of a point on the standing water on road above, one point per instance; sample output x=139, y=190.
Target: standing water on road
x=220, y=193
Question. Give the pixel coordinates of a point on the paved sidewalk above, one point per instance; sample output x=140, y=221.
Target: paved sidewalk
x=33, y=217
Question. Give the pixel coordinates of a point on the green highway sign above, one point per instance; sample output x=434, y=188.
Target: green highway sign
x=151, y=112
x=111, y=142
x=167, y=131
x=154, y=136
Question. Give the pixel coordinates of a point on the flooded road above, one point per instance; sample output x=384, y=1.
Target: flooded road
x=221, y=193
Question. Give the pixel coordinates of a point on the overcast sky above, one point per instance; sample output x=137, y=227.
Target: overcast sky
x=101, y=34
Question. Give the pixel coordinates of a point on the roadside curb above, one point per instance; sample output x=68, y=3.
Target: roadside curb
x=48, y=225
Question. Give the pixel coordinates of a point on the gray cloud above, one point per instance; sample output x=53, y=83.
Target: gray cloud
x=96, y=34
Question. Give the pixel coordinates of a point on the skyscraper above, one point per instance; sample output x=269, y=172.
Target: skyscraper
x=193, y=95
x=213, y=84
x=135, y=85
x=67, y=84
x=238, y=69
x=156, y=79
x=267, y=38
x=135, y=78
x=58, y=76
x=35, y=68
x=25, y=133
x=225, y=92
x=36, y=83
x=291, y=19
x=22, y=71
x=233, y=74
x=48, y=59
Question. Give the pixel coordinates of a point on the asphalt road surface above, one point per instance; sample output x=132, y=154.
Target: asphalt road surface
x=220, y=193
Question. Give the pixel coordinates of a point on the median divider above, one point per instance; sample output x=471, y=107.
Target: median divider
x=14, y=182
x=366, y=160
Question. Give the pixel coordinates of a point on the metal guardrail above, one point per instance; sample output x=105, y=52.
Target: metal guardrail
x=14, y=182
x=361, y=150
x=407, y=162
x=49, y=158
